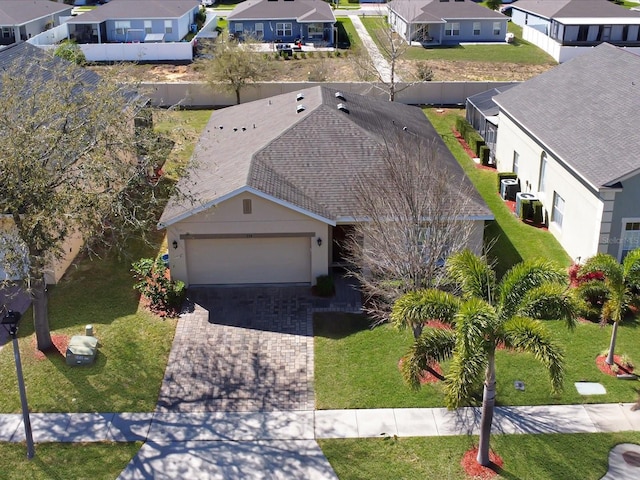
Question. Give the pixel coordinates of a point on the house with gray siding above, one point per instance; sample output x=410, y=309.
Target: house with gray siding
x=570, y=135
x=311, y=21
x=21, y=20
x=126, y=21
x=446, y=22
x=582, y=23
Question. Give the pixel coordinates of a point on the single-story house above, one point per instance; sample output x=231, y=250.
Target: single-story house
x=21, y=20
x=570, y=136
x=311, y=21
x=482, y=114
x=125, y=21
x=272, y=188
x=446, y=22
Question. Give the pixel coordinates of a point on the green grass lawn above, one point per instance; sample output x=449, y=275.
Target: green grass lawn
x=347, y=33
x=519, y=51
x=514, y=240
x=530, y=457
x=357, y=367
x=87, y=461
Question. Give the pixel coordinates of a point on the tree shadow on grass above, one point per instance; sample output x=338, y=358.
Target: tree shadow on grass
x=337, y=325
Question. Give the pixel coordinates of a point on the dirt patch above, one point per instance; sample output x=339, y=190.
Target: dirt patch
x=457, y=70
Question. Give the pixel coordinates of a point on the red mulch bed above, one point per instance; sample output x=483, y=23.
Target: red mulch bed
x=477, y=471
x=438, y=324
x=426, y=377
x=60, y=344
x=606, y=368
x=161, y=312
x=468, y=150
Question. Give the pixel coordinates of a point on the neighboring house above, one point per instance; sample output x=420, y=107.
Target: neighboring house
x=446, y=22
x=273, y=185
x=571, y=136
x=311, y=21
x=564, y=26
x=21, y=20
x=123, y=21
x=482, y=114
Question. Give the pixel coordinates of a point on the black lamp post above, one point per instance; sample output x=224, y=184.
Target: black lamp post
x=10, y=323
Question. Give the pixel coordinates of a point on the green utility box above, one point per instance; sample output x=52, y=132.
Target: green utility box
x=82, y=350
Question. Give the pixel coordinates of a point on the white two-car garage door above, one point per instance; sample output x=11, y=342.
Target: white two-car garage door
x=221, y=261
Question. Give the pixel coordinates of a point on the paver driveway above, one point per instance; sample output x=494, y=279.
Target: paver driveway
x=243, y=349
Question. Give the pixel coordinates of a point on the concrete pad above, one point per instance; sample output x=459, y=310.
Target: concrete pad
x=590, y=388
x=608, y=417
x=336, y=424
x=632, y=415
x=277, y=460
x=378, y=422
x=130, y=427
x=247, y=426
x=46, y=427
x=552, y=419
x=9, y=424
x=180, y=427
x=415, y=422
x=619, y=468
x=463, y=421
x=88, y=427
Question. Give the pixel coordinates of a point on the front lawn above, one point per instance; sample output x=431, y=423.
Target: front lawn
x=87, y=461
x=531, y=457
x=357, y=367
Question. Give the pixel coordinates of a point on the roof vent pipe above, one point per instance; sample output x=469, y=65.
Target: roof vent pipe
x=343, y=107
x=340, y=96
x=300, y=108
x=299, y=97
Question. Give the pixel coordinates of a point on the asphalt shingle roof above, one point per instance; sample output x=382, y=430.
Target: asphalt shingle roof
x=309, y=159
x=301, y=10
x=484, y=101
x=430, y=11
x=18, y=12
x=575, y=8
x=137, y=9
x=585, y=111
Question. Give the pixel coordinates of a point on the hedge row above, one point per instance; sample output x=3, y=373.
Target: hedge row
x=504, y=176
x=473, y=138
x=532, y=211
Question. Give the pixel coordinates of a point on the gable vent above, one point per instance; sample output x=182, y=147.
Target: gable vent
x=300, y=108
x=340, y=96
x=299, y=97
x=343, y=107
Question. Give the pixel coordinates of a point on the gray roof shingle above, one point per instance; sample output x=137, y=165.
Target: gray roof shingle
x=575, y=9
x=18, y=12
x=585, y=111
x=309, y=159
x=437, y=11
x=136, y=9
x=303, y=11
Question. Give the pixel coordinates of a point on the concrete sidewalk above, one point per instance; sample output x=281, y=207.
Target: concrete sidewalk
x=380, y=63
x=161, y=428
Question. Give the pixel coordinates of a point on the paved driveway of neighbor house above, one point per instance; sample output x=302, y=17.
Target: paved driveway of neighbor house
x=244, y=349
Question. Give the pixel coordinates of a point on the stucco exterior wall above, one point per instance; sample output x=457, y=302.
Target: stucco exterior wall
x=583, y=209
x=267, y=217
x=626, y=208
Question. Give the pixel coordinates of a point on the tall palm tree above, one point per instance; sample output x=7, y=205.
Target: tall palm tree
x=487, y=314
x=619, y=280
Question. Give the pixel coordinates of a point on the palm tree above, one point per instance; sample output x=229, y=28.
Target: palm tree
x=487, y=315
x=619, y=280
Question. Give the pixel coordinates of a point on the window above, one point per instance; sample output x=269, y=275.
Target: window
x=557, y=214
x=497, y=28
x=630, y=238
x=259, y=31
x=122, y=27
x=168, y=26
x=583, y=31
x=246, y=206
x=543, y=171
x=452, y=29
x=238, y=27
x=516, y=159
x=284, y=30
x=315, y=29
x=476, y=28
x=147, y=26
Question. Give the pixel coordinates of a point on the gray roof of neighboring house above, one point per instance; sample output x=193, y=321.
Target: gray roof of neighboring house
x=137, y=9
x=483, y=101
x=574, y=8
x=584, y=111
x=436, y=11
x=311, y=159
x=18, y=12
x=303, y=11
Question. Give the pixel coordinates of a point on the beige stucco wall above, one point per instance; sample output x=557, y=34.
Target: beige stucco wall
x=266, y=217
x=583, y=214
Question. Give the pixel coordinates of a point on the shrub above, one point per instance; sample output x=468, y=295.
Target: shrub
x=484, y=155
x=462, y=126
x=165, y=296
x=525, y=209
x=424, y=72
x=310, y=54
x=338, y=53
x=71, y=52
x=324, y=285
x=537, y=212
x=504, y=176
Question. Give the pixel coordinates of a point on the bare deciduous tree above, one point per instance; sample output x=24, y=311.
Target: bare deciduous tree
x=414, y=213
x=72, y=164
